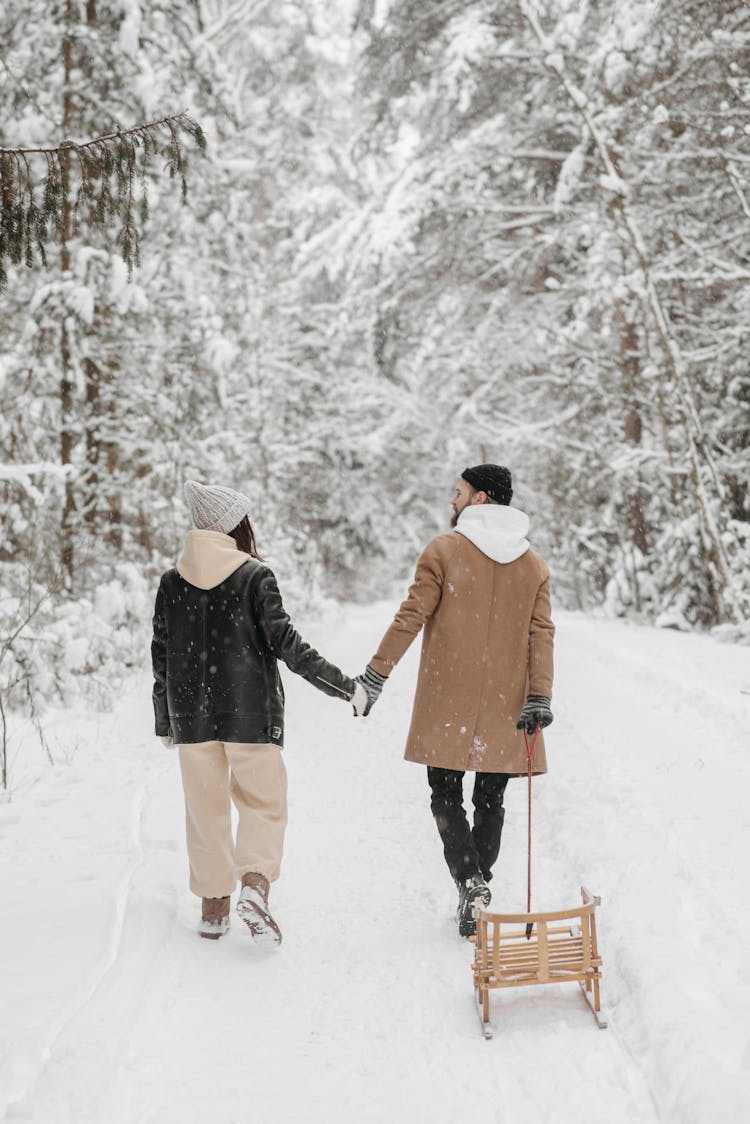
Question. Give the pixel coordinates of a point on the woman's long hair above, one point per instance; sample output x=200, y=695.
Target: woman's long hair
x=244, y=536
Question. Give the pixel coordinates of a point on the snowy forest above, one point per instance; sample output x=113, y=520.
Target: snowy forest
x=422, y=235
x=329, y=254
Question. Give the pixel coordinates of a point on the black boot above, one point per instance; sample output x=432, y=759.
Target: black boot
x=474, y=892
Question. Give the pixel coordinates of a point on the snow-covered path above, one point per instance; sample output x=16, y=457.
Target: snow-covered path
x=112, y=1011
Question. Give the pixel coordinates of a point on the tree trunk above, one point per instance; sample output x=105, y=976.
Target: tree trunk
x=67, y=439
x=111, y=449
x=93, y=442
x=630, y=367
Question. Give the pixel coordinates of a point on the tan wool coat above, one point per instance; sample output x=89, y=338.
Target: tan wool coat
x=488, y=640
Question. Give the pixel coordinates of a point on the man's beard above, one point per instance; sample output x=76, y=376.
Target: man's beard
x=454, y=520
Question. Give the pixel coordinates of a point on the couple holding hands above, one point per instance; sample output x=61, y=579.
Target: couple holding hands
x=481, y=595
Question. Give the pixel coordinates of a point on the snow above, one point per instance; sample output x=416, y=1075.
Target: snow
x=113, y=1010
x=130, y=27
x=21, y=474
x=469, y=44
x=570, y=176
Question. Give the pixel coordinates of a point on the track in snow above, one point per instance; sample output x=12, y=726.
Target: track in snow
x=367, y=1009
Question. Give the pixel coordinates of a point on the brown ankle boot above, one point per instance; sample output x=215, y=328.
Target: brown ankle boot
x=214, y=918
x=253, y=909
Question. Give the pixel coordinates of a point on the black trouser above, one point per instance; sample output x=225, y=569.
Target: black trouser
x=468, y=851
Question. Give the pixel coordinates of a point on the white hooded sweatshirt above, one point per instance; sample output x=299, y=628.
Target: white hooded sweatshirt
x=499, y=531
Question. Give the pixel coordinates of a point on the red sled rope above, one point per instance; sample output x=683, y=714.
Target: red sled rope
x=529, y=757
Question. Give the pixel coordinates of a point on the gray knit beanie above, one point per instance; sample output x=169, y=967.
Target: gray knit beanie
x=213, y=508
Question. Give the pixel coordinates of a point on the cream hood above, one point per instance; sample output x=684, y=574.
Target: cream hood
x=499, y=531
x=208, y=558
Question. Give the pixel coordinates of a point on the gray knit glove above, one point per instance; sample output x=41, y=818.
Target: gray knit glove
x=373, y=685
x=536, y=712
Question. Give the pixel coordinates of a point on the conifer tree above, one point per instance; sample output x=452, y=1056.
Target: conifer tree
x=555, y=170
x=89, y=194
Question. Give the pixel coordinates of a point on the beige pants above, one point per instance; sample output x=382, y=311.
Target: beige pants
x=254, y=777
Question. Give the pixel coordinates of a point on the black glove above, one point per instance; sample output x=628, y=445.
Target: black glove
x=373, y=685
x=536, y=712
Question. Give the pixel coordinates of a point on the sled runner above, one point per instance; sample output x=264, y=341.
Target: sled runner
x=562, y=948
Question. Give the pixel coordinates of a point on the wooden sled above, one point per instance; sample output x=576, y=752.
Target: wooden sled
x=562, y=948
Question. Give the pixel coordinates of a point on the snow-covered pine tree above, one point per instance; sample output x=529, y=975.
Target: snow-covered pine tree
x=536, y=187
x=92, y=195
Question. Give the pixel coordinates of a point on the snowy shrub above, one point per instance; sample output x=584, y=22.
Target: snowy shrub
x=687, y=589
x=57, y=649
x=93, y=642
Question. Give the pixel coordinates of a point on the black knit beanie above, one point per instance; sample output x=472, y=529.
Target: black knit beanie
x=493, y=479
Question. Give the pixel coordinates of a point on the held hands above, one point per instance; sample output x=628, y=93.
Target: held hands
x=536, y=712
x=367, y=691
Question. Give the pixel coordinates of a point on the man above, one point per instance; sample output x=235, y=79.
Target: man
x=482, y=596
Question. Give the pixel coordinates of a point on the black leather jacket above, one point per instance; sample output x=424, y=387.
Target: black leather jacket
x=214, y=656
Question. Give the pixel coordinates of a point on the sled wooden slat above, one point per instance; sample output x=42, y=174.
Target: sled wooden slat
x=562, y=948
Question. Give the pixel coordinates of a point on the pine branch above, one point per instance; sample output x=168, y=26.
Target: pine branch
x=111, y=174
x=183, y=120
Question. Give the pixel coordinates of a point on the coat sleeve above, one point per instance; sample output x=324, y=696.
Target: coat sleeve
x=159, y=664
x=286, y=643
x=422, y=600
x=541, y=640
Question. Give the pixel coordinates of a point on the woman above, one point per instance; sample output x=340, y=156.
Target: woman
x=219, y=627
